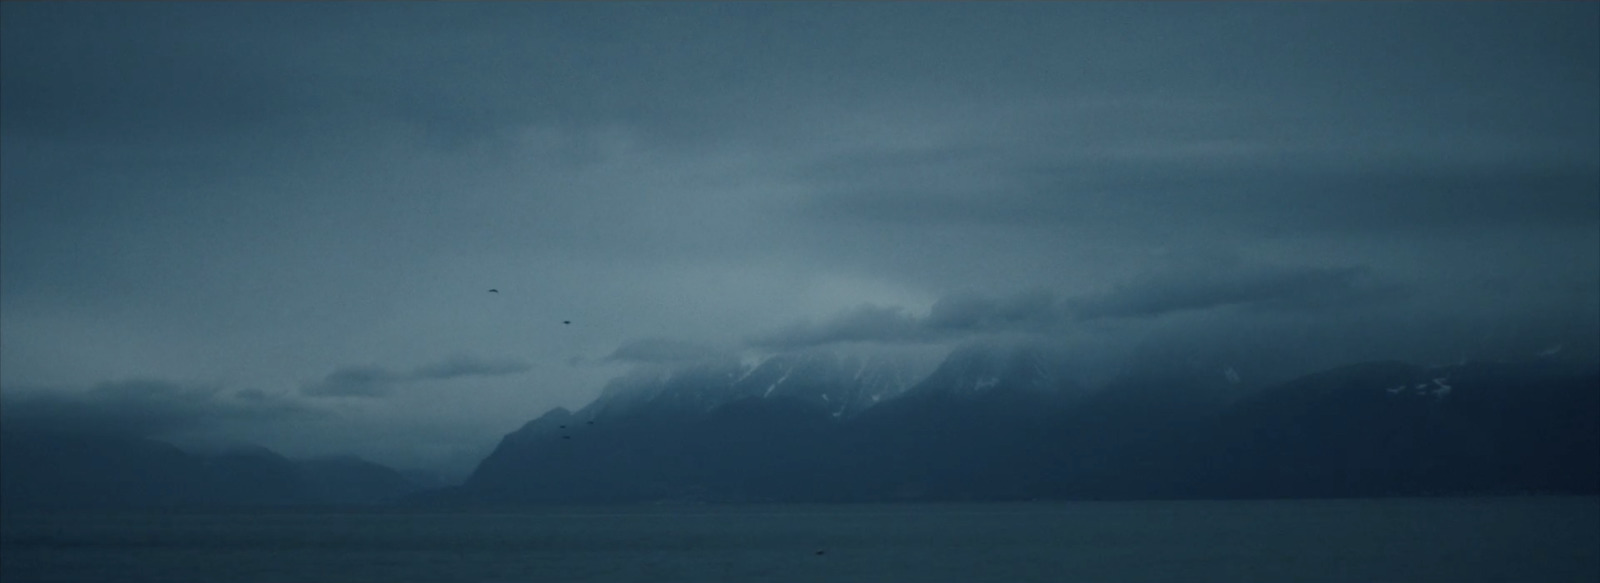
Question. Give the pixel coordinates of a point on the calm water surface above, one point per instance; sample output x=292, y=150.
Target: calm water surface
x=1427, y=540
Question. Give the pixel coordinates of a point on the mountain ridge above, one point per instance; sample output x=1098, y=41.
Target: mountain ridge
x=1008, y=424
x=44, y=470
x=986, y=424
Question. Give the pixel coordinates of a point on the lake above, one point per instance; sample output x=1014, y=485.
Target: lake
x=1520, y=539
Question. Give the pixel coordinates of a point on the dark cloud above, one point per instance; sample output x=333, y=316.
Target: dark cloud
x=661, y=351
x=467, y=366
x=1041, y=312
x=373, y=381
x=972, y=312
x=952, y=317
x=165, y=165
x=254, y=395
x=1244, y=186
x=866, y=323
x=1280, y=288
x=143, y=408
x=360, y=381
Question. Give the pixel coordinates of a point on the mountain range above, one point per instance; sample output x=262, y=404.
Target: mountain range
x=988, y=423
x=1014, y=424
x=48, y=470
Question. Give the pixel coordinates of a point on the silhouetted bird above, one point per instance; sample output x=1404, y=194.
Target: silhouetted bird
x=566, y=321
x=494, y=291
x=819, y=553
x=563, y=427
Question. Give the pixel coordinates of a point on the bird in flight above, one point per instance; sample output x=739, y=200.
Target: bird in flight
x=494, y=291
x=566, y=321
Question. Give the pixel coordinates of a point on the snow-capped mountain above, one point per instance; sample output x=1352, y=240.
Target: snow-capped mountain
x=684, y=389
x=1008, y=423
x=842, y=385
x=976, y=370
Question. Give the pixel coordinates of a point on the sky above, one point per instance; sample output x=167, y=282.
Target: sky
x=279, y=223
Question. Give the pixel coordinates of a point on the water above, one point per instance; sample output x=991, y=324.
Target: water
x=1455, y=540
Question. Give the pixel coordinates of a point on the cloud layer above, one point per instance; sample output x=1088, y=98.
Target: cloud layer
x=143, y=408
x=958, y=316
x=1283, y=289
x=372, y=381
x=661, y=351
x=271, y=194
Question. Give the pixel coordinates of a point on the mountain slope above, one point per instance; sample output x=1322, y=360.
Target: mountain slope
x=45, y=470
x=1003, y=425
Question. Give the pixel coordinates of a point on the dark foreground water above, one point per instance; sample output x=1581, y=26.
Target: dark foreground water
x=1445, y=540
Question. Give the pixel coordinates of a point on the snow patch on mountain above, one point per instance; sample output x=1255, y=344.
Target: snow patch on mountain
x=981, y=369
x=1435, y=387
x=842, y=384
x=774, y=385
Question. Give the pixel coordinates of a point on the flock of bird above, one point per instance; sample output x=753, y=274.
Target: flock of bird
x=564, y=323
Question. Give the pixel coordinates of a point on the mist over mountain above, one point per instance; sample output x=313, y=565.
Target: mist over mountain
x=1017, y=422
x=64, y=470
x=992, y=421
x=403, y=230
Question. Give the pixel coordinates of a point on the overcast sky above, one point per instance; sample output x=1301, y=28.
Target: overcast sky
x=279, y=223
